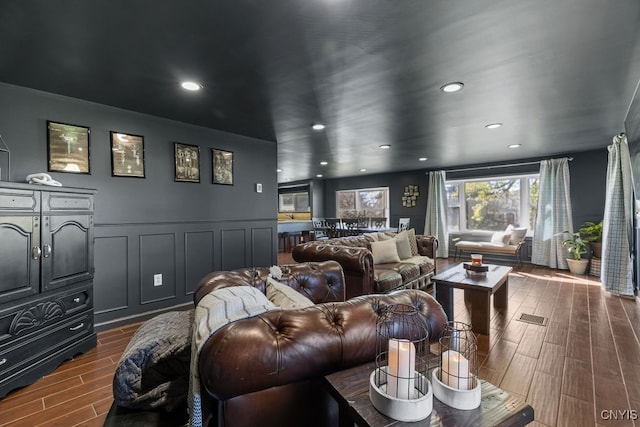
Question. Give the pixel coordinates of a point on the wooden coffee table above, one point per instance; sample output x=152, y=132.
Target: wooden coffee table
x=350, y=388
x=477, y=292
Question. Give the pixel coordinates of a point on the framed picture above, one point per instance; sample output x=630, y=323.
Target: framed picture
x=68, y=148
x=187, y=162
x=222, y=166
x=127, y=155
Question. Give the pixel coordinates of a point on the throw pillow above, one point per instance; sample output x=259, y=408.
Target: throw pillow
x=501, y=238
x=403, y=247
x=285, y=297
x=413, y=242
x=384, y=252
x=383, y=236
x=372, y=237
x=517, y=234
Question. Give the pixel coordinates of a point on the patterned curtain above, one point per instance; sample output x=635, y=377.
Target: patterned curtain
x=617, y=234
x=435, y=222
x=553, y=215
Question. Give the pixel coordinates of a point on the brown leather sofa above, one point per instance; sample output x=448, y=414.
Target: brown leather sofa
x=362, y=275
x=267, y=370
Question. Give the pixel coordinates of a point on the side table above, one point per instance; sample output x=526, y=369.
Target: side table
x=350, y=388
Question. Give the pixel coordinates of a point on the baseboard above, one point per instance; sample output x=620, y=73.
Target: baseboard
x=141, y=317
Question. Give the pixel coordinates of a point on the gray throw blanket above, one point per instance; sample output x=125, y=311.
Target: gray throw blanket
x=214, y=311
x=153, y=371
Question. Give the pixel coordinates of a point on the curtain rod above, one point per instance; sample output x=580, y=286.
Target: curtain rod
x=497, y=166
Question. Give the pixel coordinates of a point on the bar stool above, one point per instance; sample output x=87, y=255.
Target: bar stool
x=283, y=241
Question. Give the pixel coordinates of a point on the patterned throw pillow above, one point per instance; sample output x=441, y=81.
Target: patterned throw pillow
x=411, y=236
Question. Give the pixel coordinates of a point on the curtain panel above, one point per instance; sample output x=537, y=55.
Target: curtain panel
x=436, y=218
x=554, y=214
x=617, y=234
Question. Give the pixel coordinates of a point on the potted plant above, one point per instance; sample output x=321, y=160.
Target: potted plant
x=577, y=246
x=592, y=233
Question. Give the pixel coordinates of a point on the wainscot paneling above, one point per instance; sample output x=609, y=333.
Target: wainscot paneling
x=263, y=253
x=198, y=257
x=157, y=257
x=129, y=255
x=233, y=249
x=111, y=279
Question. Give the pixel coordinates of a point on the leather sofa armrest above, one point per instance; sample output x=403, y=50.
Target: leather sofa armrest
x=280, y=347
x=351, y=258
x=319, y=281
x=427, y=245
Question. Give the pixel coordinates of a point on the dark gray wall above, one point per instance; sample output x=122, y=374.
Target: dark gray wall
x=396, y=183
x=153, y=225
x=588, y=184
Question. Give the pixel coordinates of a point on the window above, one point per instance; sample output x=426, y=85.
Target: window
x=492, y=203
x=294, y=202
x=365, y=202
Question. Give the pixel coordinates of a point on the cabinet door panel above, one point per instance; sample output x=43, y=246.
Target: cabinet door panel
x=19, y=273
x=67, y=243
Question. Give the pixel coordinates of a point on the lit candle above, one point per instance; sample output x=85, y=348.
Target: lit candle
x=401, y=369
x=455, y=370
x=476, y=259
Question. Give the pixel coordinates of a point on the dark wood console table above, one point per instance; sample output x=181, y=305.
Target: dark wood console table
x=350, y=388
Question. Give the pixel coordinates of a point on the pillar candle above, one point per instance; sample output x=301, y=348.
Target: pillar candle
x=455, y=370
x=401, y=369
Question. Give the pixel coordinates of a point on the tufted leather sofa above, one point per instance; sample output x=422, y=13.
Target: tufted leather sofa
x=267, y=370
x=362, y=276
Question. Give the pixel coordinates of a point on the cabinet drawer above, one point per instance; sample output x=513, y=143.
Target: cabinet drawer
x=63, y=202
x=21, y=321
x=24, y=353
x=19, y=200
x=78, y=301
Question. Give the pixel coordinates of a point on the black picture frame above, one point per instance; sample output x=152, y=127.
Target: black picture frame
x=186, y=162
x=222, y=166
x=68, y=148
x=127, y=155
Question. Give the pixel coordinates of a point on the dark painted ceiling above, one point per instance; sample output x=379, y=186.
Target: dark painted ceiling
x=560, y=74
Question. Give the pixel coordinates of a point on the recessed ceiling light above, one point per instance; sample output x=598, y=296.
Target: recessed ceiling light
x=318, y=126
x=385, y=146
x=493, y=125
x=319, y=175
x=423, y=159
x=278, y=170
x=452, y=87
x=515, y=146
x=193, y=86
x=363, y=170
x=324, y=163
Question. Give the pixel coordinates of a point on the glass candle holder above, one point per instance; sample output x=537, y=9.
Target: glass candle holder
x=476, y=259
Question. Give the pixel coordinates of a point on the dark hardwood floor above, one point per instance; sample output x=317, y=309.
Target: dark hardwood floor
x=582, y=368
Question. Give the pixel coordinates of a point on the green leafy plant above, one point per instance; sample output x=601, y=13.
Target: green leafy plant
x=577, y=246
x=591, y=232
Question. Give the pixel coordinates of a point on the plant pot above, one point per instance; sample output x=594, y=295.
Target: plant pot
x=577, y=266
x=596, y=247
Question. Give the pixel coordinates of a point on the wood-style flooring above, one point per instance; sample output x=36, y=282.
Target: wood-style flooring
x=582, y=368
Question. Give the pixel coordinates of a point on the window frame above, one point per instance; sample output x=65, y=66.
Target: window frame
x=356, y=192
x=524, y=203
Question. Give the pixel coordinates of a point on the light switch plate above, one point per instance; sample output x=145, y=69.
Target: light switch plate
x=157, y=280
x=258, y=188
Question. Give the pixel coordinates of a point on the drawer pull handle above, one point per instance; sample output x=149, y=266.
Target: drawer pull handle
x=75, y=328
x=3, y=361
x=76, y=300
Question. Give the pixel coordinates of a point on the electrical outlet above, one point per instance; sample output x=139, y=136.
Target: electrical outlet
x=157, y=280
